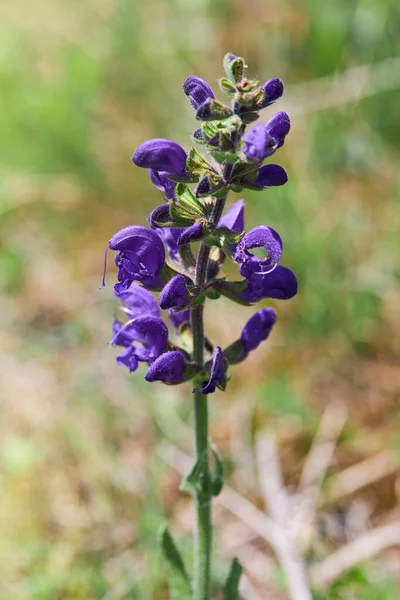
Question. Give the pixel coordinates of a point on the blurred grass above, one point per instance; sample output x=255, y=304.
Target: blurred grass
x=81, y=490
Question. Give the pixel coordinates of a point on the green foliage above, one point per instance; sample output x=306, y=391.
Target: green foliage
x=179, y=581
x=231, y=587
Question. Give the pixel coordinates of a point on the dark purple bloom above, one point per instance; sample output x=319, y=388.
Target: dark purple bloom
x=163, y=183
x=174, y=294
x=277, y=129
x=269, y=176
x=234, y=218
x=217, y=373
x=170, y=237
x=191, y=234
x=279, y=283
x=257, y=329
x=144, y=339
x=161, y=155
x=139, y=301
x=197, y=90
x=259, y=237
x=179, y=318
x=255, y=143
x=273, y=90
x=140, y=257
x=168, y=368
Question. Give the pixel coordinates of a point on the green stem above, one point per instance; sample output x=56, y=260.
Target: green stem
x=203, y=534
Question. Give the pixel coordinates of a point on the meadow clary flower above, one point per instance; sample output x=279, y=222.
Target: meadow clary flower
x=217, y=373
x=168, y=368
x=179, y=318
x=163, y=183
x=280, y=284
x=140, y=257
x=234, y=218
x=259, y=237
x=263, y=141
x=273, y=90
x=256, y=330
x=161, y=155
x=144, y=335
x=174, y=294
x=197, y=90
x=270, y=176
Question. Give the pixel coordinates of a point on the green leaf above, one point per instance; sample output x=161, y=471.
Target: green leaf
x=231, y=290
x=188, y=202
x=231, y=587
x=194, y=482
x=249, y=117
x=217, y=474
x=178, y=578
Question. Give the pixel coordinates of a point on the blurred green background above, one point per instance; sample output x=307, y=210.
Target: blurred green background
x=83, y=488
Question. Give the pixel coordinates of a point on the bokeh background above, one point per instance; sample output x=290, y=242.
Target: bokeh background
x=83, y=483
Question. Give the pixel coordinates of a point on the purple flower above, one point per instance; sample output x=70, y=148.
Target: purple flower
x=140, y=257
x=270, y=176
x=139, y=301
x=170, y=237
x=259, y=237
x=168, y=368
x=144, y=339
x=217, y=373
x=161, y=155
x=257, y=329
x=174, y=294
x=263, y=140
x=197, y=90
x=191, y=234
x=179, y=318
x=279, y=283
x=273, y=90
x=163, y=183
x=234, y=218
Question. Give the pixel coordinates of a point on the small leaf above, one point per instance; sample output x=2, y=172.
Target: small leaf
x=217, y=474
x=231, y=587
x=178, y=578
x=193, y=483
x=231, y=290
x=196, y=165
x=186, y=204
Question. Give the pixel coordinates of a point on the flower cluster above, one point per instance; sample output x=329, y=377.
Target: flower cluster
x=161, y=258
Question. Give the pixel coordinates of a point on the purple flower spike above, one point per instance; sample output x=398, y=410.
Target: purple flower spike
x=179, y=318
x=161, y=155
x=191, y=234
x=280, y=284
x=217, y=373
x=168, y=368
x=197, y=90
x=140, y=257
x=174, y=295
x=257, y=329
x=273, y=90
x=234, y=218
x=270, y=176
x=163, y=183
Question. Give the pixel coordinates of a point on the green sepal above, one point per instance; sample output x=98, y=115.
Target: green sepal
x=187, y=201
x=222, y=157
x=231, y=290
x=237, y=189
x=209, y=130
x=186, y=336
x=249, y=117
x=212, y=294
x=231, y=587
x=224, y=238
x=187, y=258
x=235, y=68
x=213, y=110
x=178, y=578
x=234, y=353
x=167, y=272
x=196, y=164
x=197, y=482
x=244, y=171
x=226, y=86
x=250, y=100
x=218, y=471
x=178, y=221
x=248, y=85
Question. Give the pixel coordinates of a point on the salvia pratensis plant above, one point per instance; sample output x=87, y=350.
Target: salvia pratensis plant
x=180, y=256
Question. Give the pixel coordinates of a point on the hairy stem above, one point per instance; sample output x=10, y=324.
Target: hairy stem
x=203, y=534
